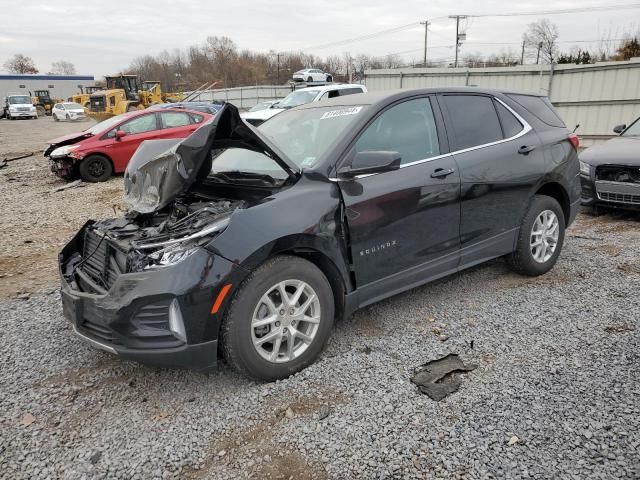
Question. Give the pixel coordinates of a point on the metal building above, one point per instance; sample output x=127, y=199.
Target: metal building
x=59, y=86
x=597, y=96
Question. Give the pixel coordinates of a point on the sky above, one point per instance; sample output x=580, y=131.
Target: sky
x=104, y=37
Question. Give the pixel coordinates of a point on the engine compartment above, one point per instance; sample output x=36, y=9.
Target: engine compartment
x=137, y=241
x=618, y=173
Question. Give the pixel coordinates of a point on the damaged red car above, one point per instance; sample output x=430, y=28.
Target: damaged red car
x=106, y=148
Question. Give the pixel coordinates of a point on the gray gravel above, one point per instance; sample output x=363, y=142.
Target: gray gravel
x=556, y=392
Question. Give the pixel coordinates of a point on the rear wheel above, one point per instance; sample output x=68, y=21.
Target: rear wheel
x=95, y=168
x=41, y=110
x=540, y=239
x=279, y=319
x=67, y=117
x=309, y=79
x=329, y=78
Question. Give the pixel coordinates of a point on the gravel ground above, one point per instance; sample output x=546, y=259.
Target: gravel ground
x=36, y=221
x=555, y=395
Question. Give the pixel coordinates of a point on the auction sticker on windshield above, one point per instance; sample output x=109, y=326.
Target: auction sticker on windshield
x=340, y=112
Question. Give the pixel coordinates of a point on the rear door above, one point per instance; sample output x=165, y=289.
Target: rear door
x=403, y=225
x=500, y=162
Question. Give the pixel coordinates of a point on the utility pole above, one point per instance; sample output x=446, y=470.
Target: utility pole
x=459, y=36
x=278, y=61
x=426, y=24
x=522, y=54
x=538, y=55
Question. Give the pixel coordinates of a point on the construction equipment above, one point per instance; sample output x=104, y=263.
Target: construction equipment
x=120, y=95
x=83, y=97
x=41, y=99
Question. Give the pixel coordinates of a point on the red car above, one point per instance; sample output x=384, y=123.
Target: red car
x=104, y=149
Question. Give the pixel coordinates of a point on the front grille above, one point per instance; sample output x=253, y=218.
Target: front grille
x=619, y=198
x=23, y=109
x=618, y=174
x=98, y=104
x=102, y=262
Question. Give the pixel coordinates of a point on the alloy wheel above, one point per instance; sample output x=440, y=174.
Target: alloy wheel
x=285, y=321
x=544, y=236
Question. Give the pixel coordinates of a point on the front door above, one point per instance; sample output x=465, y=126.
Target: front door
x=403, y=225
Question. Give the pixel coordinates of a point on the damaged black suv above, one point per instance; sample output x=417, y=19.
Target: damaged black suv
x=255, y=240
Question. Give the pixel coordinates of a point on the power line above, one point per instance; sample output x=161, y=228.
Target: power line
x=628, y=6
x=363, y=37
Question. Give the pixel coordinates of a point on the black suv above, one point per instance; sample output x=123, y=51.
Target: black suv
x=255, y=240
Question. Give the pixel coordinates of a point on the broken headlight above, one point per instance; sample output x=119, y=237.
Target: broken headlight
x=63, y=151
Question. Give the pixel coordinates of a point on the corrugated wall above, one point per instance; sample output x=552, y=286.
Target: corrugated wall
x=595, y=96
x=59, y=86
x=245, y=97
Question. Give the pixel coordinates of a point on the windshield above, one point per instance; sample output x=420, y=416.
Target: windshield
x=104, y=125
x=303, y=135
x=73, y=106
x=19, y=100
x=633, y=130
x=299, y=97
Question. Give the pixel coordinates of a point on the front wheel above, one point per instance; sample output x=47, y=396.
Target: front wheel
x=279, y=319
x=309, y=79
x=540, y=239
x=95, y=168
x=329, y=78
x=55, y=118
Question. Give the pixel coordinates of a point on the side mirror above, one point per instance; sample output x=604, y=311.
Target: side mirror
x=619, y=128
x=120, y=134
x=371, y=162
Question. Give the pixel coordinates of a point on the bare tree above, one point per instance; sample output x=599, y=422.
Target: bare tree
x=392, y=60
x=543, y=36
x=62, y=67
x=20, y=64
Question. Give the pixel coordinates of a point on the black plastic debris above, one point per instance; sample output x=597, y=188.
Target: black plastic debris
x=439, y=378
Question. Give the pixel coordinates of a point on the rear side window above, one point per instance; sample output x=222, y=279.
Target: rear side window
x=350, y=91
x=539, y=107
x=174, y=119
x=474, y=120
x=511, y=126
x=408, y=128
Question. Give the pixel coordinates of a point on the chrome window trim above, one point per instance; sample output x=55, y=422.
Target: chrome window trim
x=526, y=128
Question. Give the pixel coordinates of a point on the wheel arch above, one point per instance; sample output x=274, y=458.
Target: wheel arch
x=100, y=154
x=556, y=191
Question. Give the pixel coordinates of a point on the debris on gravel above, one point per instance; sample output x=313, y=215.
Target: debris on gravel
x=555, y=394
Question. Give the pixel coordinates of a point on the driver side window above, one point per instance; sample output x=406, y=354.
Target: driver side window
x=408, y=128
x=145, y=123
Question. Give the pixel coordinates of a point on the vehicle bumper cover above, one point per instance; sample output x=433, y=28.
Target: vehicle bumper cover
x=132, y=320
x=609, y=194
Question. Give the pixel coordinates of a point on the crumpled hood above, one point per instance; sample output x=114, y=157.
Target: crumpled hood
x=160, y=170
x=618, y=150
x=65, y=140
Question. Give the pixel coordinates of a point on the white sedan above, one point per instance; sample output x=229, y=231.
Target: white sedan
x=68, y=111
x=312, y=75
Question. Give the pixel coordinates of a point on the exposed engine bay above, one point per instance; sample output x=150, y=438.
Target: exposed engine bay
x=136, y=242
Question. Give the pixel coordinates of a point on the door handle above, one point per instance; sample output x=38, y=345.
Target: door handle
x=525, y=149
x=442, y=173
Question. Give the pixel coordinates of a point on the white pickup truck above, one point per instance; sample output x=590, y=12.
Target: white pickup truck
x=18, y=106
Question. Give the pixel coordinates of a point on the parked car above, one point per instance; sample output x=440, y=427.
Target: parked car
x=263, y=105
x=301, y=97
x=312, y=75
x=106, y=148
x=610, y=172
x=68, y=111
x=206, y=107
x=256, y=239
x=18, y=106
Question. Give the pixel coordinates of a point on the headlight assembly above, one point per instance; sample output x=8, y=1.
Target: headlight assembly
x=63, y=151
x=585, y=168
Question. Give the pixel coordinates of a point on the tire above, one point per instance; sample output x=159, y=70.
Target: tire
x=131, y=108
x=41, y=110
x=95, y=168
x=534, y=261
x=55, y=118
x=309, y=79
x=67, y=117
x=238, y=333
x=329, y=78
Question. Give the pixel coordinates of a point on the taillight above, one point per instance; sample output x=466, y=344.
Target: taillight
x=575, y=141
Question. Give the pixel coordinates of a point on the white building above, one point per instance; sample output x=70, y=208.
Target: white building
x=59, y=86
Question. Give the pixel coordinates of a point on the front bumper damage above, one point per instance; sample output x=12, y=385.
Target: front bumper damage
x=160, y=317
x=64, y=167
x=611, y=186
